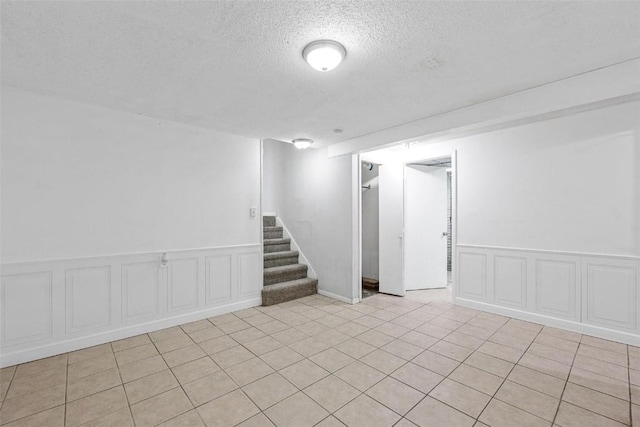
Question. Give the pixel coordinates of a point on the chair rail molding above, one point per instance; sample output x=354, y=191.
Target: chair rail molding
x=594, y=294
x=54, y=306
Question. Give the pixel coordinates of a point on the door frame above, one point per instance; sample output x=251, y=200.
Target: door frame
x=356, y=221
x=454, y=210
x=356, y=229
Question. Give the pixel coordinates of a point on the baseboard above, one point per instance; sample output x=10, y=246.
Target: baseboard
x=337, y=297
x=269, y=214
x=61, y=347
x=581, y=328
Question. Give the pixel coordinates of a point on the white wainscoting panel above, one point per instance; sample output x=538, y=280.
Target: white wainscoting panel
x=556, y=287
x=510, y=280
x=249, y=273
x=183, y=284
x=587, y=293
x=610, y=289
x=55, y=306
x=219, y=278
x=88, y=292
x=26, y=307
x=140, y=293
x=472, y=275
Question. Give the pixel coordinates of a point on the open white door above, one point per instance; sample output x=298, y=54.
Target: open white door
x=425, y=227
x=390, y=196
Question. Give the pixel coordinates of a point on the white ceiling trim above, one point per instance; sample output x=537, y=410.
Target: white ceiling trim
x=615, y=82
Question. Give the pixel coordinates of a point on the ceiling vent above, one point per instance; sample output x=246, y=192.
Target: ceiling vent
x=432, y=63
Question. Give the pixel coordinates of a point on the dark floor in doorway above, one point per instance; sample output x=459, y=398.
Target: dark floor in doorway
x=368, y=293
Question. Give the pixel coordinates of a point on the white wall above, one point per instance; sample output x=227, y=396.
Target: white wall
x=92, y=197
x=81, y=180
x=316, y=208
x=549, y=220
x=273, y=174
x=370, y=224
x=570, y=184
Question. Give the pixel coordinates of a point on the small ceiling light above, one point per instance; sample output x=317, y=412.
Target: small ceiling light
x=324, y=55
x=302, y=143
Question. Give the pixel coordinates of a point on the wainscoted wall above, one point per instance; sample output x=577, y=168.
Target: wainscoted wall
x=51, y=307
x=588, y=293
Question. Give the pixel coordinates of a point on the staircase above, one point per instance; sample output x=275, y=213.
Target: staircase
x=284, y=278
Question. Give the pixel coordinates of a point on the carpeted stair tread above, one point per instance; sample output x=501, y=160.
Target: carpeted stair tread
x=272, y=233
x=283, y=269
x=280, y=258
x=268, y=221
x=291, y=283
x=281, y=241
x=287, y=291
x=284, y=273
x=276, y=245
x=283, y=254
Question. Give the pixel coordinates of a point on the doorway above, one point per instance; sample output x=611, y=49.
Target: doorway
x=427, y=224
x=416, y=214
x=370, y=229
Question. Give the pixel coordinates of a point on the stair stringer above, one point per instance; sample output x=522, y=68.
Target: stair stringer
x=311, y=272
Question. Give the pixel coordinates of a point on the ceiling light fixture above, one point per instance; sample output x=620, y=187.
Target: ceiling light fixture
x=324, y=55
x=302, y=143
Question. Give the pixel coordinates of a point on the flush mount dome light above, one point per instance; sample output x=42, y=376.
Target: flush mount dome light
x=302, y=143
x=324, y=55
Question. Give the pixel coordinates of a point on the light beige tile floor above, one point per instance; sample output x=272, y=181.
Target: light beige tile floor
x=413, y=361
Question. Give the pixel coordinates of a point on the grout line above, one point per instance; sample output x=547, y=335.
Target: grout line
x=434, y=387
x=117, y=366
x=93, y=373
x=299, y=390
x=333, y=373
x=172, y=374
x=382, y=379
x=129, y=348
x=66, y=389
x=293, y=324
x=180, y=385
x=122, y=383
x=598, y=391
x=37, y=390
x=327, y=417
x=629, y=379
x=125, y=391
x=13, y=374
x=507, y=376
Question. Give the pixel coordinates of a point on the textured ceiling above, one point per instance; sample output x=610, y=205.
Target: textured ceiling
x=236, y=66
